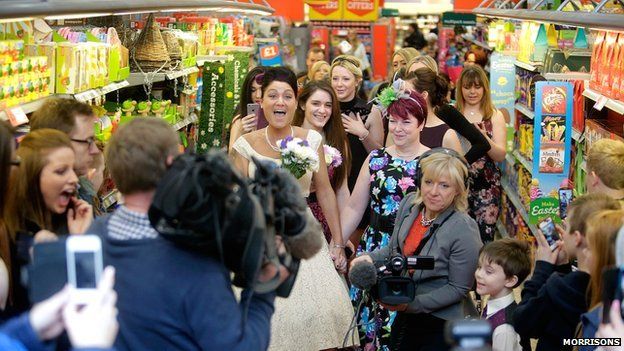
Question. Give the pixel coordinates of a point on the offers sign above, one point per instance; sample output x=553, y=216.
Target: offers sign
x=361, y=10
x=325, y=10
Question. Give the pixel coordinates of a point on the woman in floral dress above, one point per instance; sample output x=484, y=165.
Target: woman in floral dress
x=384, y=179
x=474, y=102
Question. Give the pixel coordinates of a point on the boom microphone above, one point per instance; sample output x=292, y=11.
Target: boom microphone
x=363, y=275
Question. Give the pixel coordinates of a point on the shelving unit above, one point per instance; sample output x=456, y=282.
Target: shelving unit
x=501, y=229
x=603, y=101
x=138, y=78
x=567, y=76
x=515, y=200
x=524, y=110
x=533, y=66
x=576, y=135
x=526, y=163
x=94, y=93
x=26, y=108
x=185, y=122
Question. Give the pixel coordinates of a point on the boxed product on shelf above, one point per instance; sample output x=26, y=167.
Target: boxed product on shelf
x=596, y=71
x=24, y=80
x=11, y=50
x=71, y=75
x=596, y=129
x=525, y=139
x=48, y=50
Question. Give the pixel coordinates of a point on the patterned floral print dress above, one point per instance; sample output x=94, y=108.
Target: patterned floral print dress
x=391, y=179
x=484, y=199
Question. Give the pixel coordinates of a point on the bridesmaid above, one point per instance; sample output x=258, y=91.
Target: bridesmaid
x=319, y=110
x=474, y=102
x=250, y=93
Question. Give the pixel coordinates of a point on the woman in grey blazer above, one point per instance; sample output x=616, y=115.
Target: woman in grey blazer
x=433, y=221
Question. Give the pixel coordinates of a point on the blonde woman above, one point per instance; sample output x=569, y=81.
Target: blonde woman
x=401, y=57
x=319, y=71
x=422, y=62
x=475, y=103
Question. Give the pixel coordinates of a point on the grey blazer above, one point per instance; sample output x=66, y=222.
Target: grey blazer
x=455, y=247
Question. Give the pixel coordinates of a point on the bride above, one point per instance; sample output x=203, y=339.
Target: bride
x=318, y=312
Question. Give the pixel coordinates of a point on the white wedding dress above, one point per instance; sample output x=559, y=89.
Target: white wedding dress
x=318, y=313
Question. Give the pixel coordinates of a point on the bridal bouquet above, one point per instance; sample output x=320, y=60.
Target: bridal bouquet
x=333, y=157
x=297, y=156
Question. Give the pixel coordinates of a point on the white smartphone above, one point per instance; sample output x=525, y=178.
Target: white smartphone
x=84, y=266
x=547, y=226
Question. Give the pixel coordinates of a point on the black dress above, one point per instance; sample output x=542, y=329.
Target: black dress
x=358, y=151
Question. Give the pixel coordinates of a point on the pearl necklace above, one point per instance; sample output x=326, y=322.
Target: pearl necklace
x=266, y=135
x=426, y=222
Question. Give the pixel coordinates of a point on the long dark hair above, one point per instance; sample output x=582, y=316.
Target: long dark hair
x=427, y=80
x=6, y=153
x=335, y=135
x=245, y=93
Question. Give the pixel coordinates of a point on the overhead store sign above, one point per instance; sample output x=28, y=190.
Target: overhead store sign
x=451, y=19
x=328, y=10
x=346, y=10
x=360, y=10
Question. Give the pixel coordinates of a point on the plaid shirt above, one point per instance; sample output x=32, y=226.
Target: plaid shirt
x=128, y=225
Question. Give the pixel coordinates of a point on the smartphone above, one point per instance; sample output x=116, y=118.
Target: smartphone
x=84, y=266
x=547, y=226
x=256, y=109
x=612, y=289
x=565, y=197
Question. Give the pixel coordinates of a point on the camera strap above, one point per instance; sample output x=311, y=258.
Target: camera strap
x=432, y=231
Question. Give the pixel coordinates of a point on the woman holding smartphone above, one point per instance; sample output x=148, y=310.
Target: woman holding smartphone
x=43, y=202
x=474, y=102
x=244, y=121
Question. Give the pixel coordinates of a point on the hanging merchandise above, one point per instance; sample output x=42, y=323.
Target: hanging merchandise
x=552, y=145
x=149, y=51
x=213, y=106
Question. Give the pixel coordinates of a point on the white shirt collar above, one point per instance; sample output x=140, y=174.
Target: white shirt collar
x=495, y=305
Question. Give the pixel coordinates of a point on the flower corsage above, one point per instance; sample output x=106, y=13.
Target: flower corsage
x=333, y=157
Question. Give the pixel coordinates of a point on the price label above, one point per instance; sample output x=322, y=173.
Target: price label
x=602, y=101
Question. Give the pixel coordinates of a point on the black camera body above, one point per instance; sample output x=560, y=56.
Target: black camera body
x=394, y=285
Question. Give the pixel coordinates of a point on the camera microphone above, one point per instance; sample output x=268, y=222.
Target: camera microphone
x=363, y=275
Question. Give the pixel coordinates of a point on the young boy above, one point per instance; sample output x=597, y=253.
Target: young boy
x=556, y=296
x=605, y=169
x=503, y=265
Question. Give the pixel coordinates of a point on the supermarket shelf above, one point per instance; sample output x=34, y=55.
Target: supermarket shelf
x=509, y=158
x=27, y=108
x=526, y=163
x=533, y=67
x=138, y=78
x=614, y=105
x=235, y=48
x=54, y=9
x=477, y=43
x=567, y=76
x=501, y=229
x=185, y=122
x=94, y=93
x=574, y=19
x=201, y=59
x=515, y=200
x=525, y=110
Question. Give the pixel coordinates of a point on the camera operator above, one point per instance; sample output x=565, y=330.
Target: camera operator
x=169, y=298
x=433, y=221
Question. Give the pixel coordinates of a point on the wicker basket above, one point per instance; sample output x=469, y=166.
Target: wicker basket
x=173, y=47
x=149, y=49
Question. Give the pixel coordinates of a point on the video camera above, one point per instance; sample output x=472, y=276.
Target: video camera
x=204, y=204
x=390, y=282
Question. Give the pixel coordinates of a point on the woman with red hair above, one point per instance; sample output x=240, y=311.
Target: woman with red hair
x=385, y=178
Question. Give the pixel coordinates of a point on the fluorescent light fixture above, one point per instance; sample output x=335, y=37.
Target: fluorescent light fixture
x=9, y=20
x=77, y=16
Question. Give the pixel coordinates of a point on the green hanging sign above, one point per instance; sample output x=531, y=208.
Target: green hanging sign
x=451, y=19
x=546, y=207
x=235, y=72
x=213, y=107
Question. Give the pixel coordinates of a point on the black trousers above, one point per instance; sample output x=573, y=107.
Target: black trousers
x=418, y=332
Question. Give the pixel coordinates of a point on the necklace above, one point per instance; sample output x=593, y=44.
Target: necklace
x=266, y=135
x=426, y=222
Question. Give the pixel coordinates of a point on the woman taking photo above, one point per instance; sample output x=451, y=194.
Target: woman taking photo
x=384, y=179
x=474, y=102
x=319, y=110
x=317, y=279
x=43, y=203
x=250, y=93
x=433, y=221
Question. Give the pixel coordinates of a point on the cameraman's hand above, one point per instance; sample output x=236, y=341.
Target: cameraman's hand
x=46, y=317
x=269, y=270
x=95, y=324
x=544, y=253
x=615, y=329
x=361, y=258
x=396, y=308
